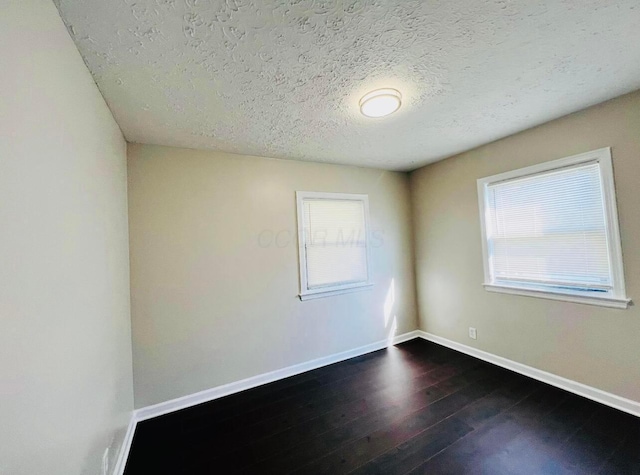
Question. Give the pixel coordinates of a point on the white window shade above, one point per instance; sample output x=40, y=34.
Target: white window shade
x=552, y=229
x=333, y=243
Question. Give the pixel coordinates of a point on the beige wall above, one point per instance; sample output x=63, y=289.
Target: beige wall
x=212, y=303
x=65, y=355
x=592, y=345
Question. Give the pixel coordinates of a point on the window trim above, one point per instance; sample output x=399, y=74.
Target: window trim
x=330, y=290
x=617, y=298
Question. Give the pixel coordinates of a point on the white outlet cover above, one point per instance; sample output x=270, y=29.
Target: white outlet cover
x=472, y=333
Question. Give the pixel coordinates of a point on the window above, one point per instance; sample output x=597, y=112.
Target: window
x=551, y=230
x=333, y=242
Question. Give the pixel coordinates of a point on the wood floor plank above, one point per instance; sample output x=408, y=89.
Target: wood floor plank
x=423, y=446
x=311, y=444
x=625, y=459
x=318, y=415
x=416, y=450
x=416, y=408
x=524, y=439
x=370, y=375
x=354, y=454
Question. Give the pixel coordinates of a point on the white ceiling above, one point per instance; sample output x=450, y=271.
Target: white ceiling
x=283, y=78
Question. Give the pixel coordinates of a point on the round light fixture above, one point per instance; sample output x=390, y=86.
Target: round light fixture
x=380, y=103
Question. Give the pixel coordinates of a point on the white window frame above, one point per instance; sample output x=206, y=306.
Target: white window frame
x=305, y=292
x=617, y=297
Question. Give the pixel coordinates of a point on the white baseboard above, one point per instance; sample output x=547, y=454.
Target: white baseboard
x=248, y=383
x=609, y=399
x=123, y=455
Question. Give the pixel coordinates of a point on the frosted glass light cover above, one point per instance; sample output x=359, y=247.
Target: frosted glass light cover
x=380, y=103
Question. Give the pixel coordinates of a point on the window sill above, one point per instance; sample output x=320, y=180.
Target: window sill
x=320, y=293
x=545, y=294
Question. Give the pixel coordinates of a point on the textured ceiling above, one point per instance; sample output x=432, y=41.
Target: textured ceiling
x=283, y=78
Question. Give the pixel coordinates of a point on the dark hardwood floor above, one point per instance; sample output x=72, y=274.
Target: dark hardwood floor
x=417, y=408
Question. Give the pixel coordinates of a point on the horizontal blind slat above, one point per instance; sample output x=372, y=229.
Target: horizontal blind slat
x=550, y=228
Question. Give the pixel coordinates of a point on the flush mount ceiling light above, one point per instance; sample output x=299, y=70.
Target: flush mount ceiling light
x=380, y=103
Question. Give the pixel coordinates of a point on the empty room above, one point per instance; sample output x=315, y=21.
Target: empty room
x=319, y=237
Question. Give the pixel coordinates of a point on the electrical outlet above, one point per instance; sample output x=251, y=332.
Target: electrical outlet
x=472, y=333
x=105, y=462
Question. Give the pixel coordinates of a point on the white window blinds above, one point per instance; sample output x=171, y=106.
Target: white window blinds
x=333, y=241
x=550, y=228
